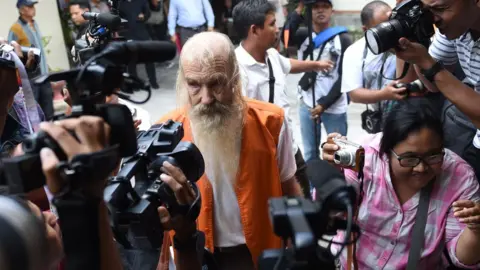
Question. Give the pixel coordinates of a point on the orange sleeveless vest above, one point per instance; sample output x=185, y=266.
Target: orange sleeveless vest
x=257, y=179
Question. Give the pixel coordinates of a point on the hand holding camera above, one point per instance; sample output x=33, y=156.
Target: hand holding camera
x=92, y=133
x=343, y=153
x=185, y=195
x=393, y=92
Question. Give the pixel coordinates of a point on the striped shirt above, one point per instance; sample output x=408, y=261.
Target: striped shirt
x=463, y=50
x=386, y=226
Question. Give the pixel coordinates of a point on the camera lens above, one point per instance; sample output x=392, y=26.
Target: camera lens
x=344, y=158
x=385, y=35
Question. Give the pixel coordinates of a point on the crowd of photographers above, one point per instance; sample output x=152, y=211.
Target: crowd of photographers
x=206, y=175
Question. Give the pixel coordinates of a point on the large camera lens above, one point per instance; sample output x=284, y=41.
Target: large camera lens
x=385, y=36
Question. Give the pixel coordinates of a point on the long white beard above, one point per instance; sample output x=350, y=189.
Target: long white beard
x=217, y=132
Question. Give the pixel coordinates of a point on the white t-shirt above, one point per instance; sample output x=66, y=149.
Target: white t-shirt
x=255, y=80
x=227, y=222
x=354, y=77
x=324, y=83
x=464, y=50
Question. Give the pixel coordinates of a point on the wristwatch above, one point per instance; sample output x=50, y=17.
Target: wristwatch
x=430, y=73
x=186, y=244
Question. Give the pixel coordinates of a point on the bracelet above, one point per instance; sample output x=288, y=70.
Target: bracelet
x=430, y=73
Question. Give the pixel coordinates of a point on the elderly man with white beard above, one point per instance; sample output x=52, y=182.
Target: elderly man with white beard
x=247, y=148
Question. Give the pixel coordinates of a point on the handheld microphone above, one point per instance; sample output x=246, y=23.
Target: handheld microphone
x=139, y=52
x=105, y=19
x=330, y=185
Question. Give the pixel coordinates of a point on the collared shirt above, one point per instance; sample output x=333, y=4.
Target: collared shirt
x=29, y=35
x=324, y=83
x=255, y=79
x=464, y=50
x=369, y=77
x=386, y=226
x=191, y=13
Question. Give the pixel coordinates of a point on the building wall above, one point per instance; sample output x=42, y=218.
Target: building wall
x=48, y=20
x=354, y=5
x=347, y=12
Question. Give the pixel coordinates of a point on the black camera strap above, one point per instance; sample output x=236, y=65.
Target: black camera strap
x=271, y=81
x=418, y=235
x=79, y=218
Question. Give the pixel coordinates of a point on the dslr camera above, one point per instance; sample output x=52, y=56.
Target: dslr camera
x=409, y=19
x=350, y=155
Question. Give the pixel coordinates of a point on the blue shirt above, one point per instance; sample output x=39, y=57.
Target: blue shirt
x=189, y=13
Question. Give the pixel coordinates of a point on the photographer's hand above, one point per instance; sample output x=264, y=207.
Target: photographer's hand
x=329, y=147
x=414, y=53
x=176, y=180
x=92, y=133
x=390, y=92
x=184, y=228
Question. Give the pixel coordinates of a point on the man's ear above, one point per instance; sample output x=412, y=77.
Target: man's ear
x=253, y=29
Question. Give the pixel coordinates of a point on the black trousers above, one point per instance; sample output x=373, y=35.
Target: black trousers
x=151, y=73
x=301, y=174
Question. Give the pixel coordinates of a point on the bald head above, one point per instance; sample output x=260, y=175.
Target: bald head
x=208, y=69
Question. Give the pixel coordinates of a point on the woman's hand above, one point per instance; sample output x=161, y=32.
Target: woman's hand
x=329, y=147
x=468, y=212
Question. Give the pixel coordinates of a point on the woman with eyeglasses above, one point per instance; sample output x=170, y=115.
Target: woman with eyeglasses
x=407, y=157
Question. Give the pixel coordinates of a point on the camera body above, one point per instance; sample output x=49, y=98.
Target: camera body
x=413, y=89
x=350, y=155
x=24, y=173
x=133, y=207
x=409, y=19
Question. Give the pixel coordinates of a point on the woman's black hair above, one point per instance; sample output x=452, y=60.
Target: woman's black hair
x=406, y=117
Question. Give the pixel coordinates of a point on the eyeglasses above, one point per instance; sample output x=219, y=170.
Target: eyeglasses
x=415, y=160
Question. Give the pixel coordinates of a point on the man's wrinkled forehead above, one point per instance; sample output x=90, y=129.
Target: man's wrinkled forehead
x=218, y=65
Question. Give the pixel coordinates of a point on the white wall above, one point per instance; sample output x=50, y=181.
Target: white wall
x=49, y=22
x=354, y=5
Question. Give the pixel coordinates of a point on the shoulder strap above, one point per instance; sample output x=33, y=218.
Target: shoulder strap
x=328, y=34
x=271, y=81
x=418, y=234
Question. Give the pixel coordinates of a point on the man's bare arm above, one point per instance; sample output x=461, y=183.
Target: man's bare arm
x=291, y=187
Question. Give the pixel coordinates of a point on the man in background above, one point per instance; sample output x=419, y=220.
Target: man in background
x=137, y=12
x=99, y=6
x=361, y=71
x=77, y=8
x=27, y=33
x=189, y=18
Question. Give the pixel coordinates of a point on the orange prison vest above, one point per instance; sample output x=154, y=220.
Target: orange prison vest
x=258, y=180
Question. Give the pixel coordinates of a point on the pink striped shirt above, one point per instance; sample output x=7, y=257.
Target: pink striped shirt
x=386, y=226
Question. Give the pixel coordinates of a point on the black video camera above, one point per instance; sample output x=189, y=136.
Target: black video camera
x=133, y=208
x=306, y=222
x=409, y=19
x=88, y=85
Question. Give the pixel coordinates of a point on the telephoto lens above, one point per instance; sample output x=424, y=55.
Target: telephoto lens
x=409, y=19
x=23, y=240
